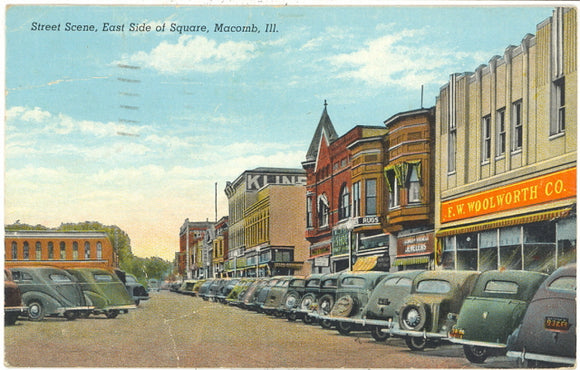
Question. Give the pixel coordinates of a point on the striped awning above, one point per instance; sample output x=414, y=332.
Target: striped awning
x=512, y=221
x=411, y=261
x=365, y=263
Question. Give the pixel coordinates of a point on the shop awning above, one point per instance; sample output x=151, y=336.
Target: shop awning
x=365, y=263
x=411, y=261
x=512, y=221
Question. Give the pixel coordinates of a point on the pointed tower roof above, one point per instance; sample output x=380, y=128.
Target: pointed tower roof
x=324, y=127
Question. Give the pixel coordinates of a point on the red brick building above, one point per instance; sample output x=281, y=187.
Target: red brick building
x=61, y=249
x=331, y=202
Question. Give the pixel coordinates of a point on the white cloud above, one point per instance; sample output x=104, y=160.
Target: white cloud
x=195, y=54
x=396, y=59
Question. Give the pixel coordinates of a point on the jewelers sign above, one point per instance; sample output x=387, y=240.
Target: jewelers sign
x=543, y=189
x=415, y=244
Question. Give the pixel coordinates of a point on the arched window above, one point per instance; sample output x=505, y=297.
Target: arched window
x=75, y=251
x=50, y=250
x=87, y=250
x=38, y=251
x=25, y=251
x=62, y=251
x=99, y=250
x=14, y=250
x=344, y=203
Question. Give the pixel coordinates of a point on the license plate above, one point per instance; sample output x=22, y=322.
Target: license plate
x=556, y=323
x=384, y=301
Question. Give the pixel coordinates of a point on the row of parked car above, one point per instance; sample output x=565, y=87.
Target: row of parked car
x=38, y=292
x=527, y=315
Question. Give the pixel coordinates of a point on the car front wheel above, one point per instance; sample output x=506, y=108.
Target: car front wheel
x=111, y=314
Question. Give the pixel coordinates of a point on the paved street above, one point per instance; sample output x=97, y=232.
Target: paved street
x=173, y=330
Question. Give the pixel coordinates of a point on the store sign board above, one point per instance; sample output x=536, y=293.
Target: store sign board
x=415, y=244
x=543, y=189
x=256, y=181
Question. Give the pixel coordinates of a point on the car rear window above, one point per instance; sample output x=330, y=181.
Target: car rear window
x=103, y=277
x=564, y=283
x=501, y=286
x=313, y=283
x=329, y=283
x=297, y=283
x=59, y=278
x=433, y=286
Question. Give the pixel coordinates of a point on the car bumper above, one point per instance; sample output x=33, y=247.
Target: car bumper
x=467, y=342
x=78, y=308
x=22, y=310
x=422, y=334
x=541, y=357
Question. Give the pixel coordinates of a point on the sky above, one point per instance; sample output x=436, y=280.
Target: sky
x=134, y=128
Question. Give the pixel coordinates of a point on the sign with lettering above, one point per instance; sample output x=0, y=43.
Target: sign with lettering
x=340, y=241
x=415, y=244
x=255, y=181
x=543, y=189
x=367, y=220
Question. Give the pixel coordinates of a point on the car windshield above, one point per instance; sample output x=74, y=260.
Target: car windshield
x=353, y=281
x=21, y=276
x=59, y=278
x=433, y=286
x=131, y=279
x=564, y=283
x=502, y=287
x=103, y=277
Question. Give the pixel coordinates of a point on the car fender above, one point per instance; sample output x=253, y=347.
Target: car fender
x=50, y=304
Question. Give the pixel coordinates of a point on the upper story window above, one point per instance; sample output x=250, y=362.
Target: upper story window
x=451, y=149
x=394, y=188
x=38, y=254
x=87, y=251
x=309, y=222
x=25, y=251
x=558, y=121
x=414, y=185
x=356, y=199
x=517, y=129
x=14, y=251
x=99, y=250
x=486, y=138
x=323, y=210
x=344, y=205
x=50, y=250
x=371, y=197
x=75, y=251
x=500, y=131
x=62, y=250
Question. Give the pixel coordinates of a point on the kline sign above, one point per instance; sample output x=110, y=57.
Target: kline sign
x=256, y=181
x=543, y=189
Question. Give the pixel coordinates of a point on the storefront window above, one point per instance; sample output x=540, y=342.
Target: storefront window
x=540, y=247
x=566, y=239
x=488, y=250
x=510, y=248
x=467, y=251
x=448, y=258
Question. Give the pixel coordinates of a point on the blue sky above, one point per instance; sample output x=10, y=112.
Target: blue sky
x=134, y=128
